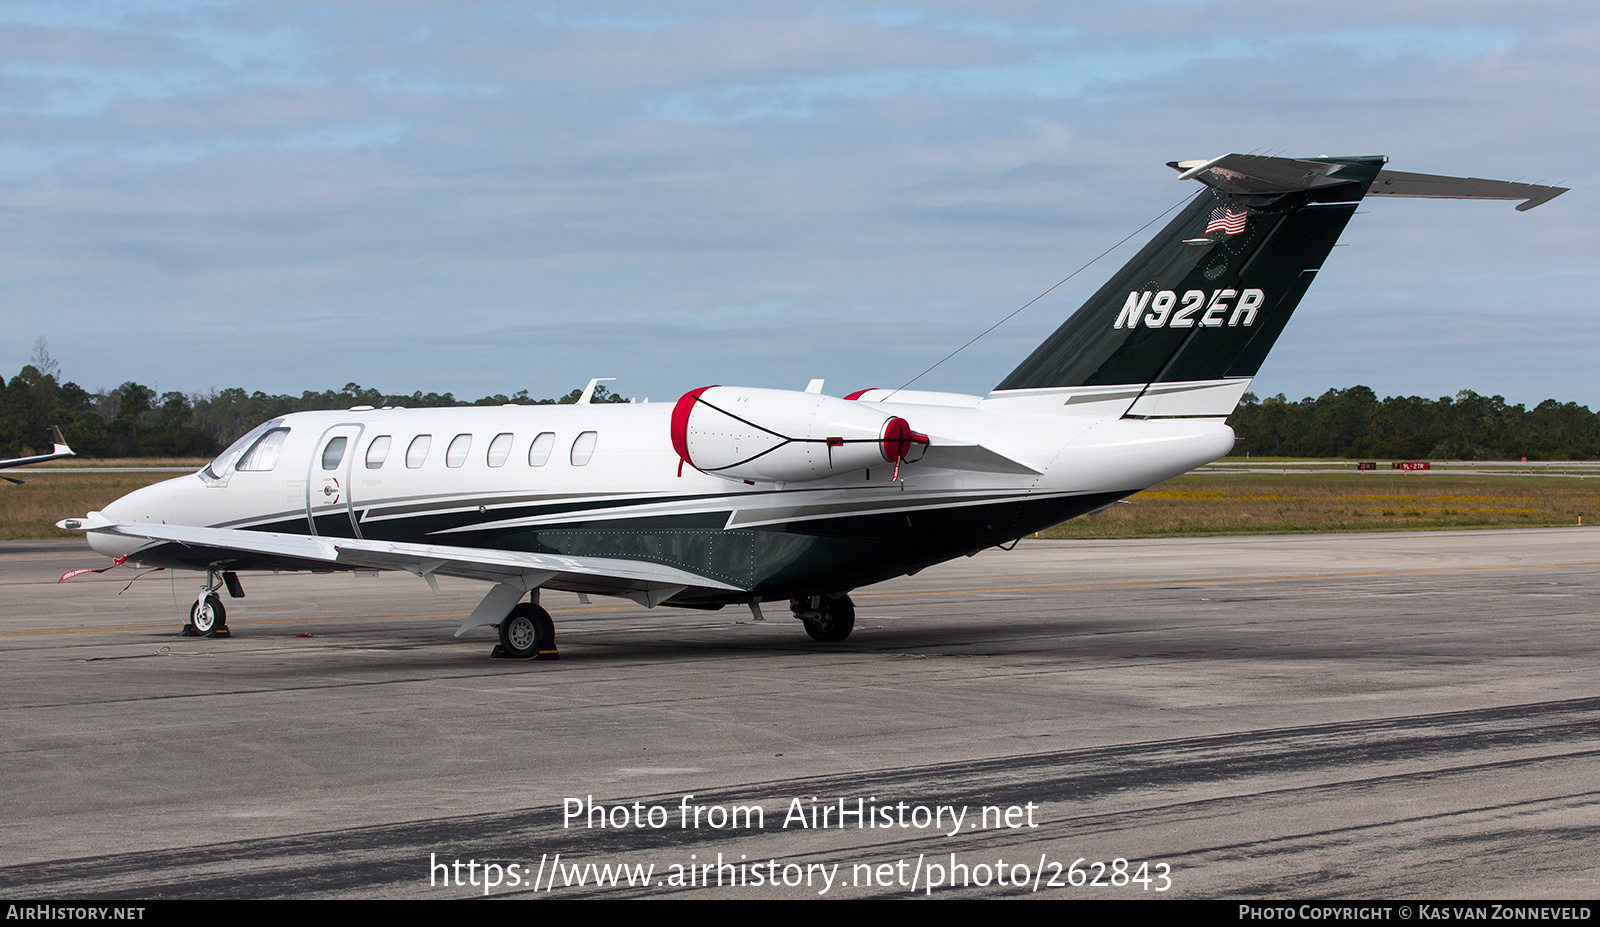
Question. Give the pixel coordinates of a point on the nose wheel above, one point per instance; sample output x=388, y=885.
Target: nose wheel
x=207, y=617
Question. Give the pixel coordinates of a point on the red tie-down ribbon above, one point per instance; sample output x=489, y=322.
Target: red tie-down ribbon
x=71, y=573
x=114, y=564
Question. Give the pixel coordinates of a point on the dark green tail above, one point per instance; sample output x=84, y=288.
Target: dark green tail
x=1206, y=299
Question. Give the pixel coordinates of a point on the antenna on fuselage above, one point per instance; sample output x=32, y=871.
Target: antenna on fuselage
x=588, y=391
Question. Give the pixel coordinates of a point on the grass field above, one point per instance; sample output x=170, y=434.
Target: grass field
x=101, y=463
x=32, y=509
x=1265, y=503
x=1201, y=503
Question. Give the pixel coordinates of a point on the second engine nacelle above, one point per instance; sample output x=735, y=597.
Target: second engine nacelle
x=782, y=436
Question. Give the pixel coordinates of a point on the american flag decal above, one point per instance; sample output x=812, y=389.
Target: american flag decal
x=1229, y=220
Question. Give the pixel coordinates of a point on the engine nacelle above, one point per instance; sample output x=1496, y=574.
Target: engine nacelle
x=782, y=436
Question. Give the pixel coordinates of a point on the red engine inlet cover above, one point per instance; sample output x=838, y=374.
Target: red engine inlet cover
x=680, y=421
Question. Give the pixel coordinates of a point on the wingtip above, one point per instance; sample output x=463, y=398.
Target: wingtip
x=1191, y=168
x=1542, y=199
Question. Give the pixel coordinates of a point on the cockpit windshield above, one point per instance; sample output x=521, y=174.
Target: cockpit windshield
x=219, y=468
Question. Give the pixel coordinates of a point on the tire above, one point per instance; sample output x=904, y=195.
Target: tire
x=839, y=619
x=527, y=631
x=207, y=615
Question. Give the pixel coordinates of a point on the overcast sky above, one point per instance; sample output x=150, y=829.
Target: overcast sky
x=486, y=197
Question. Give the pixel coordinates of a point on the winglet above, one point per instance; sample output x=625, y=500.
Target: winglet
x=61, y=443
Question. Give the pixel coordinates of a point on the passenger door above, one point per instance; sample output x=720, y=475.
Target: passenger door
x=329, y=508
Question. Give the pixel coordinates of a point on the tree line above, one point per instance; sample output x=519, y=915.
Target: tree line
x=1355, y=423
x=133, y=421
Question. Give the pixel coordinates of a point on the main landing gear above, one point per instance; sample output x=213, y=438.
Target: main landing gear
x=526, y=631
x=207, y=617
x=527, y=634
x=828, y=618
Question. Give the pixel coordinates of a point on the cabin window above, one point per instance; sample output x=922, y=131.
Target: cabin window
x=583, y=448
x=539, y=450
x=333, y=454
x=456, y=454
x=378, y=452
x=499, y=449
x=263, y=455
x=418, y=451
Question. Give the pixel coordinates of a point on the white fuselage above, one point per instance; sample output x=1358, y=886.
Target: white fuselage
x=489, y=472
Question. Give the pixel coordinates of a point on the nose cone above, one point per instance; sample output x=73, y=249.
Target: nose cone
x=150, y=505
x=113, y=545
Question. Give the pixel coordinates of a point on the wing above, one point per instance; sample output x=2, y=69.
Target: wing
x=61, y=450
x=228, y=548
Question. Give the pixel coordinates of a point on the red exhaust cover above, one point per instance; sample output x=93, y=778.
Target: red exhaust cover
x=897, y=437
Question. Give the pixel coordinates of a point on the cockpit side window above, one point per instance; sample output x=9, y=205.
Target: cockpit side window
x=263, y=455
x=219, y=468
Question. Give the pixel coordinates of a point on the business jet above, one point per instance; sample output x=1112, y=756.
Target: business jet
x=61, y=450
x=741, y=496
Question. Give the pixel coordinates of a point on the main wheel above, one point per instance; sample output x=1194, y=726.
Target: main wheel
x=527, y=631
x=207, y=614
x=836, y=621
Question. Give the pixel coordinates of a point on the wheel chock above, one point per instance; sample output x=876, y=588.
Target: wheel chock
x=500, y=653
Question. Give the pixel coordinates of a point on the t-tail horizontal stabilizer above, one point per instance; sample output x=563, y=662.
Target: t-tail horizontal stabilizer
x=1265, y=176
x=1437, y=187
x=1186, y=323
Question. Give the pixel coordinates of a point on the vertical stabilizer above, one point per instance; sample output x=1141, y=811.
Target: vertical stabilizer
x=1181, y=329
x=1183, y=326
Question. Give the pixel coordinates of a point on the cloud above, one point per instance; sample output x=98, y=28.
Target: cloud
x=290, y=196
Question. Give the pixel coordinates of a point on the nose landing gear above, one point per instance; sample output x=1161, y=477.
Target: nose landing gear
x=207, y=617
